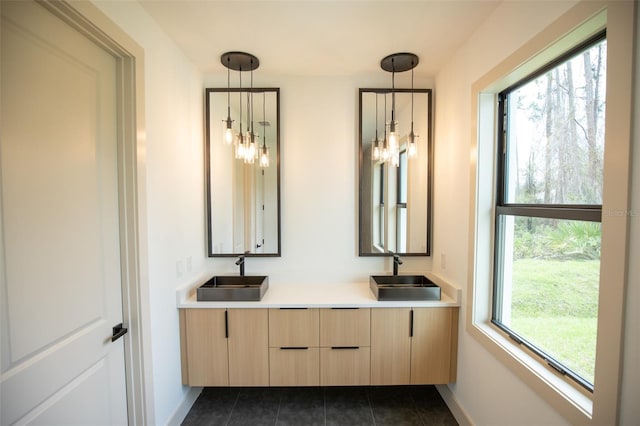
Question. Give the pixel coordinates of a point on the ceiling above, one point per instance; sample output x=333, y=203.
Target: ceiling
x=307, y=37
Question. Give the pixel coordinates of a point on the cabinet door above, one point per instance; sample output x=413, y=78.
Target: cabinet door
x=390, y=346
x=293, y=327
x=434, y=340
x=205, y=347
x=248, y=347
x=345, y=327
x=294, y=366
x=345, y=366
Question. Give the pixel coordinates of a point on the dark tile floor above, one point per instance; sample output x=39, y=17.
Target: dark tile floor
x=385, y=405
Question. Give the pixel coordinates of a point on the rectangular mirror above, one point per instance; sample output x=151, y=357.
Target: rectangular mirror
x=242, y=196
x=395, y=200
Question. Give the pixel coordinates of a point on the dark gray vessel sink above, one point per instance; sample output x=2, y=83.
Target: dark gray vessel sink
x=404, y=287
x=233, y=288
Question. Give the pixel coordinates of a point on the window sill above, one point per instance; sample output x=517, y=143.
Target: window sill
x=571, y=400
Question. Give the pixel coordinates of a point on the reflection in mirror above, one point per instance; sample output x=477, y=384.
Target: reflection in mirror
x=395, y=201
x=243, y=195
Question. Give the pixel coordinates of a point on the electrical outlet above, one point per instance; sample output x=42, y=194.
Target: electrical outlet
x=443, y=261
x=189, y=263
x=179, y=269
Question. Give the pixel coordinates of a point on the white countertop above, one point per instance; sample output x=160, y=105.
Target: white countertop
x=280, y=295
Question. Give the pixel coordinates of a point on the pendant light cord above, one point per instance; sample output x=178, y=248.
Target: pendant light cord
x=393, y=87
x=384, y=143
x=412, y=66
x=251, y=99
x=240, y=126
x=228, y=87
x=264, y=121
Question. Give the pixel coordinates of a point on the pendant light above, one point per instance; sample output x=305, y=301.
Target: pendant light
x=375, y=151
x=412, y=143
x=384, y=154
x=396, y=62
x=239, y=61
x=240, y=148
x=264, y=151
x=252, y=151
x=227, y=135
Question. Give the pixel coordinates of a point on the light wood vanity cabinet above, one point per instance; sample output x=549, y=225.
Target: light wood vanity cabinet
x=294, y=354
x=312, y=347
x=390, y=346
x=416, y=346
x=248, y=347
x=345, y=346
x=205, y=357
x=224, y=347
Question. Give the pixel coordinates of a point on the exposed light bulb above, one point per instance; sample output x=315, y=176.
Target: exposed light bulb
x=412, y=145
x=375, y=152
x=250, y=149
x=395, y=159
x=393, y=136
x=227, y=132
x=264, y=157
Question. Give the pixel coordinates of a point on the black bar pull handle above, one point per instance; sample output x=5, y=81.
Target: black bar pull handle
x=294, y=348
x=411, y=323
x=118, y=332
x=226, y=324
x=344, y=347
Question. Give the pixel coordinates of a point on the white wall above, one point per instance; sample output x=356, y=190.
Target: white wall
x=488, y=391
x=174, y=198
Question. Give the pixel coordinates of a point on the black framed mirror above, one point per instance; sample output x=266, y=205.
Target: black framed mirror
x=242, y=194
x=395, y=197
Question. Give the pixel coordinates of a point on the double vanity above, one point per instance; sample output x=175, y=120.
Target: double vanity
x=318, y=334
x=392, y=330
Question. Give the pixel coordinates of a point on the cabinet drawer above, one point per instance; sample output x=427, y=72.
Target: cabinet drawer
x=293, y=327
x=345, y=327
x=344, y=366
x=294, y=366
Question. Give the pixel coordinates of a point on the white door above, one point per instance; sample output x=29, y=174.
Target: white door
x=60, y=252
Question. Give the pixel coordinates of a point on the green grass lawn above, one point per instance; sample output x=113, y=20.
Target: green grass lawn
x=555, y=306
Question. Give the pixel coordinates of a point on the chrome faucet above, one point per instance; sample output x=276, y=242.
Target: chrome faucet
x=240, y=263
x=396, y=262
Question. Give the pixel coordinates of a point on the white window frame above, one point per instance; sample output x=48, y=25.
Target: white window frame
x=577, y=25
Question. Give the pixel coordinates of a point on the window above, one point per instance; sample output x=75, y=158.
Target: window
x=401, y=204
x=548, y=210
x=379, y=209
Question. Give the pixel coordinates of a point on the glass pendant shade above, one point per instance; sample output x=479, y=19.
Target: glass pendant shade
x=412, y=145
x=393, y=136
x=251, y=152
x=239, y=146
x=264, y=156
x=395, y=159
x=375, y=150
x=384, y=153
x=227, y=131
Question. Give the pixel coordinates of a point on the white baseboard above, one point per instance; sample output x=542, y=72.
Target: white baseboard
x=462, y=417
x=183, y=409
